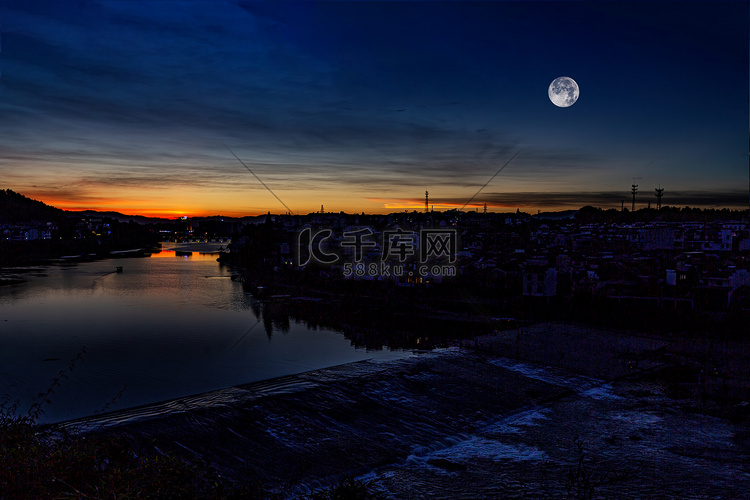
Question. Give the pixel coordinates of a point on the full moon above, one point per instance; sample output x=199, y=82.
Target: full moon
x=563, y=92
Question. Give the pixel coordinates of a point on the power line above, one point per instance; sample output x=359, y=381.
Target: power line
x=486, y=183
x=264, y=184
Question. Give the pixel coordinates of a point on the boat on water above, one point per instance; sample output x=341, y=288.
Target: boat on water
x=118, y=269
x=182, y=253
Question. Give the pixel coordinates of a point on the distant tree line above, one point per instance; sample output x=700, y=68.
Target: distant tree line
x=590, y=215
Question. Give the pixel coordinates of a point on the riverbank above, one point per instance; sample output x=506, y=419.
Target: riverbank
x=16, y=268
x=539, y=411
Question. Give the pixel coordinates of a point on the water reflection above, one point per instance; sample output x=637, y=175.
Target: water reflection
x=167, y=326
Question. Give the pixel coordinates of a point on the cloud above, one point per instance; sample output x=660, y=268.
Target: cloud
x=63, y=196
x=734, y=199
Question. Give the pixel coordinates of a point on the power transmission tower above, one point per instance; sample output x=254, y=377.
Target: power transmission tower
x=633, y=189
x=659, y=194
x=426, y=201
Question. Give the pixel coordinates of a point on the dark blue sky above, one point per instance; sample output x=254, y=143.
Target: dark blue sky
x=362, y=106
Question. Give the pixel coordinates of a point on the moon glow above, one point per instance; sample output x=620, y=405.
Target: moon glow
x=563, y=92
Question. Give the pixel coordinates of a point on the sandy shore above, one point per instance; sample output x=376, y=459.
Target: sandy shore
x=512, y=416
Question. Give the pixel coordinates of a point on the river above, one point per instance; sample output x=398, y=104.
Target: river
x=167, y=326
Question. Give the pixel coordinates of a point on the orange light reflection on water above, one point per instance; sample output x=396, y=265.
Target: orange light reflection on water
x=163, y=254
x=172, y=254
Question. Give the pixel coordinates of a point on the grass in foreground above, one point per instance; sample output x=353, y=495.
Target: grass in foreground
x=42, y=461
x=38, y=462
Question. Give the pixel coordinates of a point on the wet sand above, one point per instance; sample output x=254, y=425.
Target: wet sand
x=503, y=418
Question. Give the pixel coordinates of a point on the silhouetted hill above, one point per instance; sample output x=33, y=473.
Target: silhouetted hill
x=141, y=219
x=16, y=208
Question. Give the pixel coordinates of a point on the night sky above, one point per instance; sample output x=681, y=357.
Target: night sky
x=362, y=106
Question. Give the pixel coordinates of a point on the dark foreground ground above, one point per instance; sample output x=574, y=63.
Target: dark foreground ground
x=549, y=411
